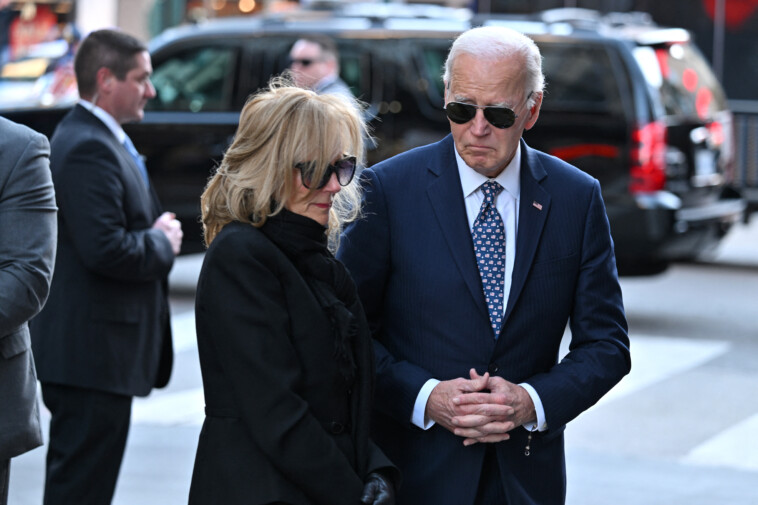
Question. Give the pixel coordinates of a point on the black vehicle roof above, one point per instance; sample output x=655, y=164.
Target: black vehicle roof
x=420, y=20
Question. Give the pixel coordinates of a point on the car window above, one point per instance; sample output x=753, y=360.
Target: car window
x=355, y=61
x=355, y=65
x=580, y=78
x=194, y=80
x=433, y=63
x=686, y=83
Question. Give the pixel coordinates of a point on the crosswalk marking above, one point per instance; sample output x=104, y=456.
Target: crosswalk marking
x=735, y=447
x=183, y=408
x=656, y=358
x=183, y=329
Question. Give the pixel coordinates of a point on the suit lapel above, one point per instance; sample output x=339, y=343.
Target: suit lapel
x=146, y=195
x=534, y=207
x=446, y=198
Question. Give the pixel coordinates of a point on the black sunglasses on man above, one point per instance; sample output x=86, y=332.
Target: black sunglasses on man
x=499, y=117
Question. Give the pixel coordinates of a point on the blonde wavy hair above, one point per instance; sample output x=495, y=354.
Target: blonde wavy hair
x=279, y=127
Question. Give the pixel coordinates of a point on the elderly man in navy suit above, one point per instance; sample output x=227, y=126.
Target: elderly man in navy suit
x=105, y=333
x=473, y=256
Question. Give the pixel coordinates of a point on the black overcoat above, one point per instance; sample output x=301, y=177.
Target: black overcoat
x=281, y=422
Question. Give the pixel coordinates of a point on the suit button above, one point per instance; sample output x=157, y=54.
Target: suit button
x=336, y=428
x=493, y=368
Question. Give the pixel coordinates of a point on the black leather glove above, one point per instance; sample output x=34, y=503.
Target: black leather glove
x=378, y=490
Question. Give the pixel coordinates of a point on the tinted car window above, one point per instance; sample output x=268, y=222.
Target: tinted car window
x=580, y=78
x=433, y=64
x=688, y=87
x=196, y=79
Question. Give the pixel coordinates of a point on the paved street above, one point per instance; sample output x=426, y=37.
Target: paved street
x=681, y=429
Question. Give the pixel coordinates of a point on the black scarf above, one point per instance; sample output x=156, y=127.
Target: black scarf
x=304, y=242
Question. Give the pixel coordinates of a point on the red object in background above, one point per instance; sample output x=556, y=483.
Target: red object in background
x=648, y=157
x=26, y=33
x=703, y=101
x=663, y=61
x=736, y=12
x=689, y=80
x=570, y=153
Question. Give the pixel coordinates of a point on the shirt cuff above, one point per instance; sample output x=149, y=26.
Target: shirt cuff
x=541, y=424
x=419, y=408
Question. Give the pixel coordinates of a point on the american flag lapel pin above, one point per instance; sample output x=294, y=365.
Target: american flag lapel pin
x=537, y=205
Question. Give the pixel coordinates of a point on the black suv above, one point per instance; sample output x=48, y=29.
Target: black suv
x=633, y=104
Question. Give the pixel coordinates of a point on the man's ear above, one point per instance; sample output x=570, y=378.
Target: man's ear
x=534, y=111
x=105, y=80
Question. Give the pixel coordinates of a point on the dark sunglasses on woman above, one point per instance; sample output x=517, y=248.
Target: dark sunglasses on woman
x=499, y=117
x=344, y=169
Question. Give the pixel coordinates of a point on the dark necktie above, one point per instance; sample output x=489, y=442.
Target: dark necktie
x=137, y=159
x=489, y=245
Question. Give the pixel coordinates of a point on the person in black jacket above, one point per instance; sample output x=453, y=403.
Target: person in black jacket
x=285, y=349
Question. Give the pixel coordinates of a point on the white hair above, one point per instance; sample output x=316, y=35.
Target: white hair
x=497, y=43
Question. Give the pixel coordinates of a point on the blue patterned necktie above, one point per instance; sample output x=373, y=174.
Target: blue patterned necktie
x=137, y=159
x=489, y=245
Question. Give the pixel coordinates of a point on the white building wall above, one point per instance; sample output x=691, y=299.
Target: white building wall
x=133, y=17
x=128, y=15
x=95, y=14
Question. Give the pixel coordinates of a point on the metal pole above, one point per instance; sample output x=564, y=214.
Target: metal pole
x=718, y=39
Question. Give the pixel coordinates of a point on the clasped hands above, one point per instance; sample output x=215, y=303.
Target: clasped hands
x=480, y=409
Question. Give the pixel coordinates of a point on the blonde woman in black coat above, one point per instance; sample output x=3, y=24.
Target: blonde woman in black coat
x=285, y=349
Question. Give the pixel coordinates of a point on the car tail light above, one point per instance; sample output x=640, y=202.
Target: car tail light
x=648, y=158
x=716, y=131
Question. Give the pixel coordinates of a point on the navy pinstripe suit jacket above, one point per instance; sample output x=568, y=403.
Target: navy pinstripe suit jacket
x=413, y=260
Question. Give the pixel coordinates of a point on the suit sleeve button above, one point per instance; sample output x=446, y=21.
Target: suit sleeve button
x=493, y=368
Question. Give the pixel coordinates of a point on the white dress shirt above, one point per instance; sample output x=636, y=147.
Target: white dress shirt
x=106, y=118
x=507, y=204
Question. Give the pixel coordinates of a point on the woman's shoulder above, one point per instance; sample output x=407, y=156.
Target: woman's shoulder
x=241, y=250
x=242, y=239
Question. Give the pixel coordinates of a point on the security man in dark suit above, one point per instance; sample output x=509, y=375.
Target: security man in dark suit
x=104, y=335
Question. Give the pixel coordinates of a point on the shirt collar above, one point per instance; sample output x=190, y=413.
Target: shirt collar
x=106, y=118
x=509, y=179
x=326, y=81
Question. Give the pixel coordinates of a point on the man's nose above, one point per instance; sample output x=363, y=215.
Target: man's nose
x=479, y=125
x=150, y=91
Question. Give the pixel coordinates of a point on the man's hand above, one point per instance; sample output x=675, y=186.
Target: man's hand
x=440, y=406
x=172, y=228
x=489, y=415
